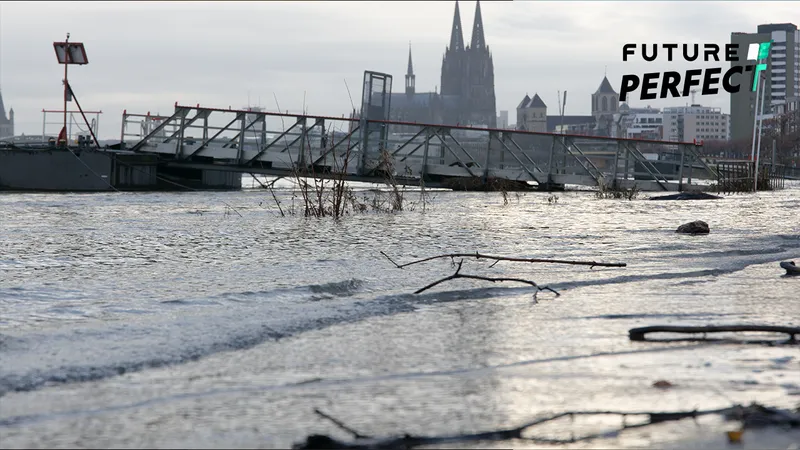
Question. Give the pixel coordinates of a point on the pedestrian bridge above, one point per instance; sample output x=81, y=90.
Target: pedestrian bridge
x=285, y=144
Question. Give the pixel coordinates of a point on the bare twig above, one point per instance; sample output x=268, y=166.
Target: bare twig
x=391, y=260
x=750, y=416
x=476, y=277
x=477, y=255
x=341, y=425
x=271, y=191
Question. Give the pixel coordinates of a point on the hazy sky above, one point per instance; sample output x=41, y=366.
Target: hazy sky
x=144, y=56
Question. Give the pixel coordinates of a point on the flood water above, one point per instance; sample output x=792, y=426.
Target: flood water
x=208, y=320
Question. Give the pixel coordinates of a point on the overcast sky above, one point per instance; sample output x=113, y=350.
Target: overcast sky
x=144, y=56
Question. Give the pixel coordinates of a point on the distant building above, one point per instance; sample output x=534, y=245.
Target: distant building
x=638, y=123
x=782, y=74
x=695, y=122
x=625, y=108
x=532, y=115
x=605, y=102
x=467, y=84
x=783, y=124
x=252, y=117
x=645, y=126
x=6, y=123
x=411, y=106
x=502, y=120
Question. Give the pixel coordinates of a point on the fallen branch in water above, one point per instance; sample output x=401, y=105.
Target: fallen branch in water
x=638, y=334
x=505, y=258
x=752, y=416
x=341, y=425
x=458, y=274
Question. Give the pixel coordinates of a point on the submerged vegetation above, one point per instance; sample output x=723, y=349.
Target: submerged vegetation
x=321, y=188
x=606, y=191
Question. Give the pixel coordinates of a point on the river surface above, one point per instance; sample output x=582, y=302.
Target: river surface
x=207, y=320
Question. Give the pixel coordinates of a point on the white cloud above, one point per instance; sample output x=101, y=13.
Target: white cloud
x=146, y=55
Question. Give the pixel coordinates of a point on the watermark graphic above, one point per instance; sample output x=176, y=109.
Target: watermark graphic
x=758, y=52
x=708, y=79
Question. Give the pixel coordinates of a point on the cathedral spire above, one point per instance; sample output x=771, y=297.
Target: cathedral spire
x=2, y=110
x=456, y=36
x=478, y=40
x=410, y=70
x=410, y=77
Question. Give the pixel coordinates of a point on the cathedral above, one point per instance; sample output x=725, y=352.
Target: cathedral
x=6, y=124
x=467, y=84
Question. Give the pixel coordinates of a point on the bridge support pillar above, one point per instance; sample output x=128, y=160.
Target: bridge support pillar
x=240, y=143
x=616, y=165
x=626, y=157
x=680, y=168
x=691, y=166
x=423, y=173
x=550, y=161
x=263, y=142
x=301, y=158
x=492, y=135
x=179, y=144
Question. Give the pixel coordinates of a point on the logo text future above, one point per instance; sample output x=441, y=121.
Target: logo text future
x=710, y=77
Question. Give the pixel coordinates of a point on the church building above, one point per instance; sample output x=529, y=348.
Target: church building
x=467, y=84
x=6, y=124
x=532, y=115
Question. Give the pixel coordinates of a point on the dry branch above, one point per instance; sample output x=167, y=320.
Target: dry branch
x=458, y=274
x=271, y=191
x=477, y=255
x=751, y=416
x=638, y=334
x=341, y=425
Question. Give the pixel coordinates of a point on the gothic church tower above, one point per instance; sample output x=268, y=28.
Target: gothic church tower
x=480, y=77
x=454, y=60
x=468, y=76
x=604, y=105
x=410, y=77
x=6, y=124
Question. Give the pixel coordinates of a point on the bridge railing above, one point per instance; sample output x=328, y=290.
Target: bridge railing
x=255, y=141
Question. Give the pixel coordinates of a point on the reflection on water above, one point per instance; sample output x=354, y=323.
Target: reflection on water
x=159, y=320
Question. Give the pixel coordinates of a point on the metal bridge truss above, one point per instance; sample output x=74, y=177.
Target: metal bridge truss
x=283, y=144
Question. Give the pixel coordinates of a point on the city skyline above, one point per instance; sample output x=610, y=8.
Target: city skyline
x=150, y=60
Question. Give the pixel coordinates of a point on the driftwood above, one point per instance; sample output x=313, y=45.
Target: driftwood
x=638, y=334
x=496, y=260
x=477, y=255
x=458, y=274
x=790, y=267
x=752, y=416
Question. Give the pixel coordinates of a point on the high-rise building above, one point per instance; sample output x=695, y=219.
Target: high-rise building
x=782, y=75
x=696, y=122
